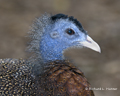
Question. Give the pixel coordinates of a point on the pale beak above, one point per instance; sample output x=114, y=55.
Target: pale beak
x=90, y=43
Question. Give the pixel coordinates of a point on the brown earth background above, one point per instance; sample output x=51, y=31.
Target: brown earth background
x=101, y=18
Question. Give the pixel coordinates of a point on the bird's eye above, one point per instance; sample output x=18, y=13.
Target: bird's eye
x=70, y=31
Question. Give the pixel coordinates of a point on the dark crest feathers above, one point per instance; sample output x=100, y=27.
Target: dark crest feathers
x=71, y=18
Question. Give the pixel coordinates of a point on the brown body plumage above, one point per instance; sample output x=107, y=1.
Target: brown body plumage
x=60, y=78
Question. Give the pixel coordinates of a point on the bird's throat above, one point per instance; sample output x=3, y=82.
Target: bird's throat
x=51, y=55
x=50, y=52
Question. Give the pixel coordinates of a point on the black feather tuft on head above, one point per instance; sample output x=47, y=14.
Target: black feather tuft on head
x=71, y=18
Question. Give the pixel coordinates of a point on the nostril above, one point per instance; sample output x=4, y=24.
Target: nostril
x=89, y=41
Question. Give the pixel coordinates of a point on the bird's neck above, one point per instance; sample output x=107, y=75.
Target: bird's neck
x=51, y=55
x=51, y=51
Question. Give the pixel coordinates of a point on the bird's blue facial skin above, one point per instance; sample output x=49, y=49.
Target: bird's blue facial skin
x=52, y=46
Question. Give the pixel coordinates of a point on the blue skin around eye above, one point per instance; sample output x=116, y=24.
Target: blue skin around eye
x=52, y=48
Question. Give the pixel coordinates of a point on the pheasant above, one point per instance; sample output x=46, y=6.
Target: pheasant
x=47, y=72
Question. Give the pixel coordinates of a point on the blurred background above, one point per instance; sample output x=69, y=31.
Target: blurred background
x=101, y=18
